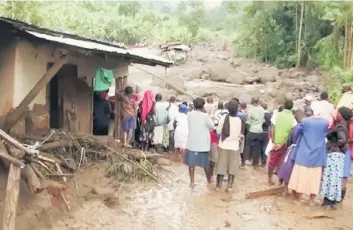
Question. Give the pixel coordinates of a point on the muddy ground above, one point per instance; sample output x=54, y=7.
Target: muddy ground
x=100, y=203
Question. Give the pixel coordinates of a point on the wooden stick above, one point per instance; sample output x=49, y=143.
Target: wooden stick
x=127, y=159
x=54, y=145
x=43, y=165
x=268, y=192
x=43, y=158
x=65, y=200
x=13, y=160
x=39, y=174
x=15, y=143
x=61, y=175
x=16, y=114
x=60, y=171
x=11, y=198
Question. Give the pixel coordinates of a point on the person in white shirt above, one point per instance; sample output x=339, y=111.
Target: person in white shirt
x=172, y=113
x=181, y=130
x=230, y=129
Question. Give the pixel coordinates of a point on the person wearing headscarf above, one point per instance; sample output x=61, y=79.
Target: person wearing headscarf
x=181, y=130
x=344, y=119
x=198, y=143
x=147, y=120
x=230, y=129
x=310, y=157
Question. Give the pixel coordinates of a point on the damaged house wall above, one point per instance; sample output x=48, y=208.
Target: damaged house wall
x=31, y=62
x=7, y=68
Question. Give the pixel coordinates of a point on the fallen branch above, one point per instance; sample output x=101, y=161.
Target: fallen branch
x=55, y=145
x=268, y=192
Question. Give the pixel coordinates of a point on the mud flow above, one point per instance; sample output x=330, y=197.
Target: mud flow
x=173, y=205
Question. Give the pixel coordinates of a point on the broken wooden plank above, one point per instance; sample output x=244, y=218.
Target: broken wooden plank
x=55, y=145
x=11, y=198
x=268, y=192
x=18, y=112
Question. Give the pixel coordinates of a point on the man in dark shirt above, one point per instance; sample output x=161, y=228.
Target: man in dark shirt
x=101, y=114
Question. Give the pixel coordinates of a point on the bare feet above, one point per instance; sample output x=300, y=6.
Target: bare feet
x=270, y=182
x=217, y=189
x=228, y=190
x=192, y=185
x=298, y=202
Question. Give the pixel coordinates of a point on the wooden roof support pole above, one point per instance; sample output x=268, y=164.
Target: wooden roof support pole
x=17, y=113
x=11, y=198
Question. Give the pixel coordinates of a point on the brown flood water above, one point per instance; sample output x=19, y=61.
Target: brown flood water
x=172, y=205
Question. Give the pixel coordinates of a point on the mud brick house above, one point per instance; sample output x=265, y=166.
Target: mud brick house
x=46, y=76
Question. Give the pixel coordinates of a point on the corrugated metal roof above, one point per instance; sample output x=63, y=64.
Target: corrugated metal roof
x=87, y=44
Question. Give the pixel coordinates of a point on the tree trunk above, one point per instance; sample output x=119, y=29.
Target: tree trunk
x=350, y=46
x=345, y=53
x=299, y=37
x=296, y=28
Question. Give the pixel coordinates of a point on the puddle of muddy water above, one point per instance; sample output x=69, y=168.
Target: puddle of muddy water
x=172, y=205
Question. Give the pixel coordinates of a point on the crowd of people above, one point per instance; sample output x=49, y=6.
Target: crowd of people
x=309, y=149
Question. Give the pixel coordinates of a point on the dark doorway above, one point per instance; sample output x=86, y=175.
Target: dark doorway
x=56, y=89
x=54, y=103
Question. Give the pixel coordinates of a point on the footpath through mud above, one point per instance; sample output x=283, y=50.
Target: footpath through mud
x=173, y=205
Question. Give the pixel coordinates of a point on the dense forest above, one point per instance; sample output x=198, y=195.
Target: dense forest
x=288, y=34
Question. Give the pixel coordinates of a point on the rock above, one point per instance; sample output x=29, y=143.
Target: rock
x=220, y=72
x=246, y=98
x=235, y=78
x=176, y=80
x=312, y=78
x=251, y=79
x=193, y=74
x=289, y=96
x=295, y=73
x=280, y=98
x=223, y=57
x=205, y=76
x=255, y=70
x=235, y=63
x=267, y=78
x=163, y=162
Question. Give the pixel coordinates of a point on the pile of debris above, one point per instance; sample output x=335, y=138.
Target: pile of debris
x=44, y=160
x=62, y=153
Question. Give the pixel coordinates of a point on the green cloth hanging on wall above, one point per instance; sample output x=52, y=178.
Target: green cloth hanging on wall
x=103, y=80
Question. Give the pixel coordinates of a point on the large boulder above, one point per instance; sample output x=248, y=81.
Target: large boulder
x=252, y=79
x=267, y=78
x=235, y=78
x=220, y=72
x=295, y=73
x=193, y=74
